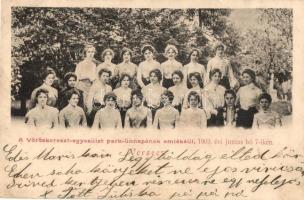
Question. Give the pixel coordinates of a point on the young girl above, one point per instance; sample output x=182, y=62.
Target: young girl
x=123, y=94
x=107, y=55
x=213, y=96
x=108, y=117
x=127, y=67
x=194, y=116
x=72, y=115
x=48, y=79
x=227, y=115
x=196, y=85
x=266, y=118
x=219, y=61
x=169, y=66
x=145, y=67
x=247, y=97
x=70, y=80
x=153, y=91
x=179, y=90
x=86, y=71
x=42, y=115
x=166, y=117
x=96, y=94
x=194, y=66
x=138, y=116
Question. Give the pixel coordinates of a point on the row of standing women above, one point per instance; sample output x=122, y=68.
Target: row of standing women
x=166, y=95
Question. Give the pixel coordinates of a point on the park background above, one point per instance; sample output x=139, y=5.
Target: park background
x=260, y=39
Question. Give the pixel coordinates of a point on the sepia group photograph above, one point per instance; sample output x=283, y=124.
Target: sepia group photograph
x=159, y=68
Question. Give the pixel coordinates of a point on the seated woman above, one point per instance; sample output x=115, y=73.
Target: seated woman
x=266, y=118
x=194, y=66
x=247, y=97
x=213, y=96
x=48, y=78
x=107, y=55
x=196, y=86
x=153, y=91
x=194, y=116
x=70, y=80
x=169, y=66
x=123, y=94
x=149, y=64
x=42, y=115
x=166, y=117
x=227, y=115
x=72, y=115
x=108, y=117
x=179, y=90
x=127, y=67
x=96, y=94
x=138, y=116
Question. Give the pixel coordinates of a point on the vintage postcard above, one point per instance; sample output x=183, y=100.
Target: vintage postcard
x=160, y=100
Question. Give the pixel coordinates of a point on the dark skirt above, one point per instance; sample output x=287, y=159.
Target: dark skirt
x=167, y=82
x=225, y=82
x=216, y=120
x=245, y=117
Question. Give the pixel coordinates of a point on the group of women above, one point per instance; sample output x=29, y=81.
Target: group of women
x=166, y=95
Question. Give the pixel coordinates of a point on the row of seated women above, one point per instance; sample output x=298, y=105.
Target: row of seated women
x=170, y=96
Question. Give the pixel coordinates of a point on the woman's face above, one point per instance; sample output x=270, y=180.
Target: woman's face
x=136, y=101
x=126, y=56
x=49, y=80
x=90, y=53
x=247, y=78
x=72, y=82
x=104, y=77
x=194, y=56
x=108, y=56
x=153, y=78
x=229, y=99
x=125, y=82
x=176, y=79
x=148, y=55
x=220, y=51
x=171, y=54
x=193, y=81
x=165, y=100
x=74, y=100
x=216, y=78
x=42, y=99
x=193, y=101
x=264, y=104
x=110, y=102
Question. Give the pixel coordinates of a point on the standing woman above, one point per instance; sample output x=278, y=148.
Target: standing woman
x=153, y=92
x=195, y=66
x=169, y=66
x=247, y=97
x=196, y=86
x=48, y=78
x=213, y=96
x=107, y=55
x=127, y=67
x=42, y=115
x=95, y=100
x=219, y=61
x=179, y=90
x=86, y=71
x=123, y=94
x=145, y=67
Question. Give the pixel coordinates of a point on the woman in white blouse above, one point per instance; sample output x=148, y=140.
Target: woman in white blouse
x=194, y=66
x=86, y=71
x=247, y=97
x=196, y=86
x=213, y=96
